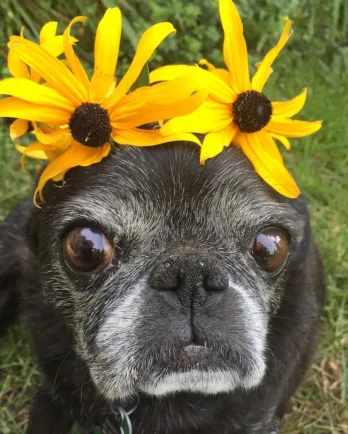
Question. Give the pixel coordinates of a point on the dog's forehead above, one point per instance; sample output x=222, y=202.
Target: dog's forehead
x=166, y=179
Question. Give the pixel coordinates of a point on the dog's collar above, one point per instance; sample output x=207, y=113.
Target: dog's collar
x=117, y=419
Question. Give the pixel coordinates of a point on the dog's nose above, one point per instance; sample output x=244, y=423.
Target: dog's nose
x=191, y=277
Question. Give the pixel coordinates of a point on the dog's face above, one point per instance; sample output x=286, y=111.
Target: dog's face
x=167, y=272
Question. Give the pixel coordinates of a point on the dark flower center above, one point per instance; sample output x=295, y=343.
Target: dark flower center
x=251, y=111
x=90, y=125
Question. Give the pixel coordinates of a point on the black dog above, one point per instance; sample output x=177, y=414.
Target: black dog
x=189, y=294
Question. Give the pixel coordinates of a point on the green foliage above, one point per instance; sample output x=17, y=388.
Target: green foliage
x=320, y=28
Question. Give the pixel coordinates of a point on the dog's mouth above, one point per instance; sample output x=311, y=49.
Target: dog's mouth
x=206, y=369
x=195, y=353
x=203, y=357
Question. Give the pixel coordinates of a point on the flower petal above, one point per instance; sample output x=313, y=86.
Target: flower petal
x=16, y=66
x=286, y=109
x=256, y=147
x=17, y=108
x=210, y=116
x=264, y=71
x=235, y=49
x=75, y=155
x=106, y=49
x=292, y=128
x=148, y=43
x=48, y=32
x=35, y=151
x=152, y=112
x=138, y=137
x=51, y=69
x=55, y=46
x=18, y=128
x=216, y=86
x=162, y=93
x=55, y=137
x=215, y=142
x=283, y=140
x=35, y=93
x=73, y=61
x=158, y=102
x=222, y=73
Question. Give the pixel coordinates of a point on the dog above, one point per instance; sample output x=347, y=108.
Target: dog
x=163, y=296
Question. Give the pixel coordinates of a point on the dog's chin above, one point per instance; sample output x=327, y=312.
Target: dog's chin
x=198, y=370
x=209, y=382
x=199, y=375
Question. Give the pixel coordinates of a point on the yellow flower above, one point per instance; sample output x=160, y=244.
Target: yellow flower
x=237, y=111
x=74, y=117
x=50, y=41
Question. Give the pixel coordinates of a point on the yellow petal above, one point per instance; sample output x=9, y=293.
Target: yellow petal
x=18, y=128
x=148, y=43
x=283, y=140
x=16, y=66
x=48, y=32
x=73, y=61
x=210, y=116
x=17, y=108
x=138, y=137
x=286, y=109
x=235, y=49
x=35, y=93
x=75, y=155
x=215, y=142
x=216, y=86
x=51, y=136
x=152, y=112
x=255, y=147
x=31, y=152
x=292, y=128
x=55, y=46
x=223, y=74
x=162, y=93
x=106, y=49
x=158, y=100
x=57, y=75
x=270, y=70
x=34, y=150
x=264, y=71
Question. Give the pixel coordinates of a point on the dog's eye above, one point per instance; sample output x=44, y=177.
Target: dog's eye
x=270, y=249
x=88, y=250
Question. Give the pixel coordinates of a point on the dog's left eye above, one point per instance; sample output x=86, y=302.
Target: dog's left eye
x=88, y=250
x=270, y=249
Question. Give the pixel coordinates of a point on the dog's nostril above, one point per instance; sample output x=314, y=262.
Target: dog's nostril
x=165, y=276
x=216, y=281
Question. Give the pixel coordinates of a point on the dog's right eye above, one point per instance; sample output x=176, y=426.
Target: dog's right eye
x=88, y=250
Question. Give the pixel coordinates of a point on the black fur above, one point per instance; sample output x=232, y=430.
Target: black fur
x=66, y=392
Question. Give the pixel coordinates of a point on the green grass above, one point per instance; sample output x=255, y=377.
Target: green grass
x=320, y=164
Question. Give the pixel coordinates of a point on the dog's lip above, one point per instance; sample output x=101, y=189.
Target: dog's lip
x=193, y=352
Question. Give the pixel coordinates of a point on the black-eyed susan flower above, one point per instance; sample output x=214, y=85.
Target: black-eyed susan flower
x=237, y=111
x=75, y=117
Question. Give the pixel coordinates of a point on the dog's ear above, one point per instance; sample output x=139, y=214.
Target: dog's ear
x=32, y=230
x=14, y=253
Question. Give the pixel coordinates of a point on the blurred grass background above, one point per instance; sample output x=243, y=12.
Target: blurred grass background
x=316, y=57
